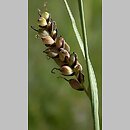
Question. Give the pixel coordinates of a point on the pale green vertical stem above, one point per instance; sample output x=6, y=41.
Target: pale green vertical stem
x=91, y=77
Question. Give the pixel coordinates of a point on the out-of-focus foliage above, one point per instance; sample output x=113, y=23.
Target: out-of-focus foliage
x=53, y=104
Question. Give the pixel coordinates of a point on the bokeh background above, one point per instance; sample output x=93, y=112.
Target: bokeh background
x=52, y=103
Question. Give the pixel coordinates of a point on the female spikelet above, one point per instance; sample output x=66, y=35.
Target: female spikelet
x=58, y=50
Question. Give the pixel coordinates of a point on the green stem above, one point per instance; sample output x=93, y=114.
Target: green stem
x=93, y=104
x=83, y=26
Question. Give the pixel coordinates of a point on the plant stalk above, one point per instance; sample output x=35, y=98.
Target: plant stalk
x=94, y=106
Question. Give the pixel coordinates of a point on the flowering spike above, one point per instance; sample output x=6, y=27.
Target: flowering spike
x=59, y=51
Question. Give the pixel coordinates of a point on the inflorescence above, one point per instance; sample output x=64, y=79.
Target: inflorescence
x=58, y=50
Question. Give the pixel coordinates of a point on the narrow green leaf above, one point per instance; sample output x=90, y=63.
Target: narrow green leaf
x=94, y=93
x=84, y=48
x=75, y=28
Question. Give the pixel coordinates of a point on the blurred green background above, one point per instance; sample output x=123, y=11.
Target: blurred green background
x=52, y=103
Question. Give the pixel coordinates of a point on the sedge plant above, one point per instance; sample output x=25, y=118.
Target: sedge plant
x=59, y=50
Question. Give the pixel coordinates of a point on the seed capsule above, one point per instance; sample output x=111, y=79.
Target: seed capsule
x=63, y=54
x=59, y=42
x=42, y=22
x=77, y=68
x=75, y=84
x=45, y=15
x=72, y=60
x=42, y=33
x=51, y=52
x=66, y=70
x=48, y=41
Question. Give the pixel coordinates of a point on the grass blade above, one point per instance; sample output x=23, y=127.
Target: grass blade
x=92, y=78
x=84, y=47
x=75, y=28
